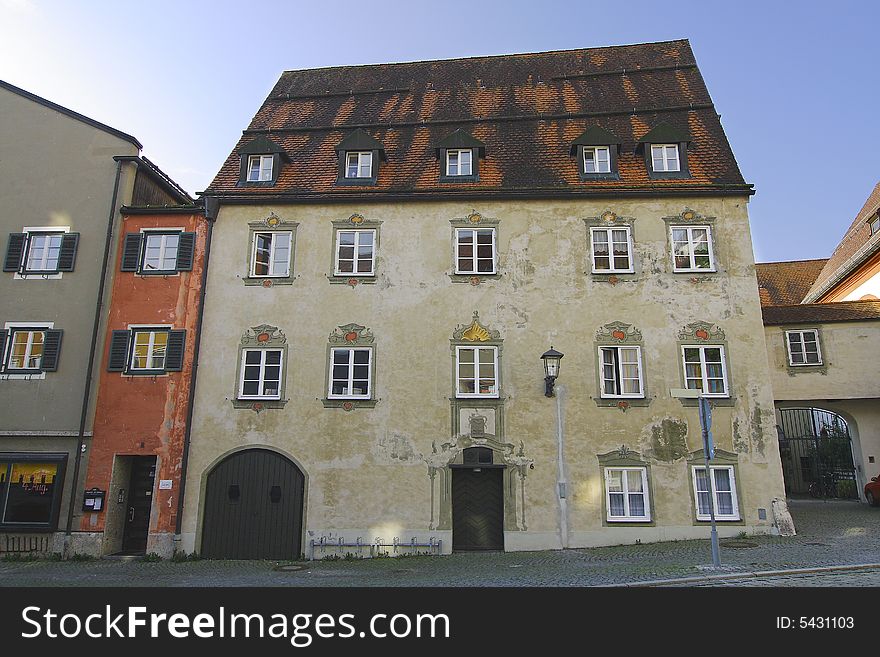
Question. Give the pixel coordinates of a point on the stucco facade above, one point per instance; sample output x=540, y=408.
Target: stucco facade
x=382, y=470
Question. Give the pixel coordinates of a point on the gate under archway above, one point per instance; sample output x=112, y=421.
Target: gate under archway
x=816, y=451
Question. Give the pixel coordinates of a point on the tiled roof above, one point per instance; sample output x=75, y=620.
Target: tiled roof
x=857, y=242
x=816, y=313
x=783, y=283
x=527, y=109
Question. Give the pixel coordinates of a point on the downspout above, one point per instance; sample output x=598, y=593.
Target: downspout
x=562, y=479
x=211, y=208
x=94, y=347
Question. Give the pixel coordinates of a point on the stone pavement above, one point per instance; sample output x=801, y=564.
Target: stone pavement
x=829, y=533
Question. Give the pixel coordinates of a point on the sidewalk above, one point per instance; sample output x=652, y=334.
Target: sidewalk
x=829, y=534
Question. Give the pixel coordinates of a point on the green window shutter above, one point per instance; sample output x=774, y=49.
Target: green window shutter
x=118, y=351
x=67, y=256
x=185, y=251
x=14, y=251
x=51, y=350
x=131, y=252
x=3, y=334
x=175, y=351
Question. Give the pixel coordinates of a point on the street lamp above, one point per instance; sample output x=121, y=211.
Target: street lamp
x=551, y=360
x=708, y=454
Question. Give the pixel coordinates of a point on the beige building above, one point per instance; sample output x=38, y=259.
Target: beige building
x=822, y=324
x=398, y=245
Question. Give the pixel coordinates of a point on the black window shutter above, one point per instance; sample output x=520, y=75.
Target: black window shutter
x=67, y=256
x=185, y=249
x=3, y=334
x=14, y=251
x=131, y=252
x=118, y=351
x=174, y=351
x=51, y=350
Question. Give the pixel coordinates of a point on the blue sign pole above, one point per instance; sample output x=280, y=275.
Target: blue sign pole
x=709, y=453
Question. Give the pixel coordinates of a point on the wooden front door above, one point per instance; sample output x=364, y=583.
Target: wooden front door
x=140, y=503
x=477, y=508
x=254, y=508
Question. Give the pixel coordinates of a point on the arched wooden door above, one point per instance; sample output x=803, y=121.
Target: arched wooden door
x=254, y=507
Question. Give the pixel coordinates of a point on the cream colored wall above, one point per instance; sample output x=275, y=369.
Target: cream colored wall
x=869, y=287
x=366, y=470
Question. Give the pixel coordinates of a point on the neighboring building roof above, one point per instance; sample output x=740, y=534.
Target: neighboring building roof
x=856, y=246
x=71, y=113
x=819, y=313
x=527, y=109
x=159, y=177
x=784, y=283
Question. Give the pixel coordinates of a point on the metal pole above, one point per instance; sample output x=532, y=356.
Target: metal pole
x=716, y=555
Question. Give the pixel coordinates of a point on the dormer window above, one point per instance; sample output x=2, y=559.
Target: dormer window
x=459, y=155
x=459, y=162
x=665, y=149
x=359, y=157
x=261, y=161
x=664, y=157
x=260, y=168
x=596, y=151
x=359, y=164
x=875, y=225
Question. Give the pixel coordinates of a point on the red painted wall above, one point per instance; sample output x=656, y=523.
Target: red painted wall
x=145, y=415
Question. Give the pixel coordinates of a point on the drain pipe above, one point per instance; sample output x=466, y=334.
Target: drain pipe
x=99, y=304
x=562, y=479
x=211, y=208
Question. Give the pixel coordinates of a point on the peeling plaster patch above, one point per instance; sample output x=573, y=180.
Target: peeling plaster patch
x=739, y=443
x=757, y=433
x=395, y=448
x=669, y=440
x=352, y=463
x=521, y=317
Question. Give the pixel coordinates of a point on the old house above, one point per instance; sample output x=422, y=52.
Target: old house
x=63, y=177
x=396, y=248
x=822, y=324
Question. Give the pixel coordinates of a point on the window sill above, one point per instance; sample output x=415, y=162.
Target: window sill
x=143, y=373
x=707, y=272
x=156, y=274
x=357, y=182
x=267, y=281
x=605, y=175
x=39, y=275
x=459, y=179
x=612, y=277
x=730, y=521
x=794, y=370
x=352, y=279
x=348, y=404
x=634, y=522
x=22, y=375
x=714, y=401
x=258, y=404
x=622, y=402
x=474, y=279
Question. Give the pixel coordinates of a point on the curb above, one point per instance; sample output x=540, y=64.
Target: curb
x=749, y=574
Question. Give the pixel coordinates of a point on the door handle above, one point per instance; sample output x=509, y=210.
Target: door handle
x=131, y=514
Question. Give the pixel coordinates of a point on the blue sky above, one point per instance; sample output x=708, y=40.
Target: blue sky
x=796, y=83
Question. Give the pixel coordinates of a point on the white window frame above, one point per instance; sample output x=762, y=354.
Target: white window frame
x=476, y=378
x=619, y=373
x=626, y=493
x=11, y=327
x=690, y=243
x=262, y=380
x=36, y=274
x=664, y=159
x=142, y=257
x=360, y=157
x=714, y=493
x=800, y=333
x=473, y=257
x=874, y=224
x=357, y=245
x=458, y=153
x=351, y=365
x=703, y=369
x=596, y=159
x=264, y=174
x=609, y=233
x=152, y=330
x=274, y=234
x=43, y=264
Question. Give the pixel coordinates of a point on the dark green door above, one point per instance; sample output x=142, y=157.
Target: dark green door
x=253, y=508
x=477, y=508
x=140, y=502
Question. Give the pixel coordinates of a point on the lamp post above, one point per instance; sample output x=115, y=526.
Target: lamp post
x=551, y=360
x=708, y=454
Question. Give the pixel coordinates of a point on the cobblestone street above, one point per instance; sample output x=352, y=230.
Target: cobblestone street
x=829, y=534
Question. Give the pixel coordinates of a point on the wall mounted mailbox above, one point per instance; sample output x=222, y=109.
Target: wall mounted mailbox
x=93, y=499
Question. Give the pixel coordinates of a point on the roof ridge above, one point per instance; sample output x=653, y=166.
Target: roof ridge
x=473, y=57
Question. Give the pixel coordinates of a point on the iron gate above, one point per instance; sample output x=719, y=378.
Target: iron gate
x=816, y=452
